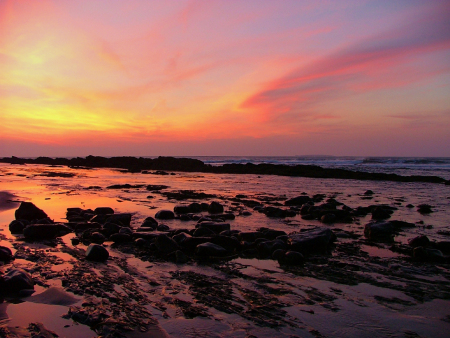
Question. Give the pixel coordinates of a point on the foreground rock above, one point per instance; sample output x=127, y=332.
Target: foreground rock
x=16, y=280
x=45, y=231
x=312, y=241
x=97, y=253
x=28, y=211
x=5, y=254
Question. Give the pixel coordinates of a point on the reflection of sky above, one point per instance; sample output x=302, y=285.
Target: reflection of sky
x=221, y=78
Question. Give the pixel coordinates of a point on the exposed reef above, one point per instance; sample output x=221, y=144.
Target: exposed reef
x=159, y=164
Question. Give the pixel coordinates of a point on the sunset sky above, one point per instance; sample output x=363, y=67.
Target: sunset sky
x=191, y=78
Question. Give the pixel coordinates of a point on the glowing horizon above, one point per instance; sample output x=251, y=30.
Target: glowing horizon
x=199, y=78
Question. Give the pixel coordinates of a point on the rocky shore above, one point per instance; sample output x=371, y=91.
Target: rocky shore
x=161, y=164
x=107, y=253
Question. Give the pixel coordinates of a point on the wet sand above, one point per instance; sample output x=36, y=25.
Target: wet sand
x=356, y=287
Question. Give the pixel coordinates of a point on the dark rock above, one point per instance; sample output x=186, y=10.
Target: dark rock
x=82, y=226
x=384, y=230
x=96, y=253
x=368, y=193
x=45, y=231
x=181, y=237
x=215, y=208
x=191, y=243
x=29, y=212
x=120, y=238
x=180, y=257
x=246, y=213
x=226, y=242
x=278, y=254
x=103, y=211
x=427, y=254
x=444, y=246
x=156, y=187
x=150, y=222
x=195, y=207
x=298, y=201
x=203, y=232
x=141, y=242
x=266, y=248
x=16, y=280
x=380, y=213
x=97, y=238
x=292, y=258
x=328, y=218
x=419, y=241
x=124, y=219
x=217, y=227
x=75, y=241
x=125, y=186
x=210, y=249
x=125, y=230
x=410, y=206
x=162, y=227
x=165, y=244
x=5, y=254
x=17, y=226
x=225, y=216
x=271, y=234
x=422, y=208
x=110, y=228
x=250, y=236
x=313, y=240
x=165, y=214
x=278, y=212
x=181, y=209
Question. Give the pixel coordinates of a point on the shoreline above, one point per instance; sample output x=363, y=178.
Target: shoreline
x=141, y=165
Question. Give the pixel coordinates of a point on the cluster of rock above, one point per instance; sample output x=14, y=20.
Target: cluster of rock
x=211, y=237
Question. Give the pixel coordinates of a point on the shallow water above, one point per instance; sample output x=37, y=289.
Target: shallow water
x=379, y=303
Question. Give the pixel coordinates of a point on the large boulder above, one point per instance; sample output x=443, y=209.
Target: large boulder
x=29, y=212
x=45, y=231
x=312, y=240
x=210, y=249
x=97, y=253
x=165, y=214
x=16, y=280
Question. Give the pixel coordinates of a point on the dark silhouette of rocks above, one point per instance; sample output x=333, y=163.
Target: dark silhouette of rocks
x=140, y=164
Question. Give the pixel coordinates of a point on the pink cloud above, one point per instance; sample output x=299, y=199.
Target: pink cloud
x=367, y=65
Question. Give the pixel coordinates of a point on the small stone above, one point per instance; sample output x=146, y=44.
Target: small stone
x=96, y=253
